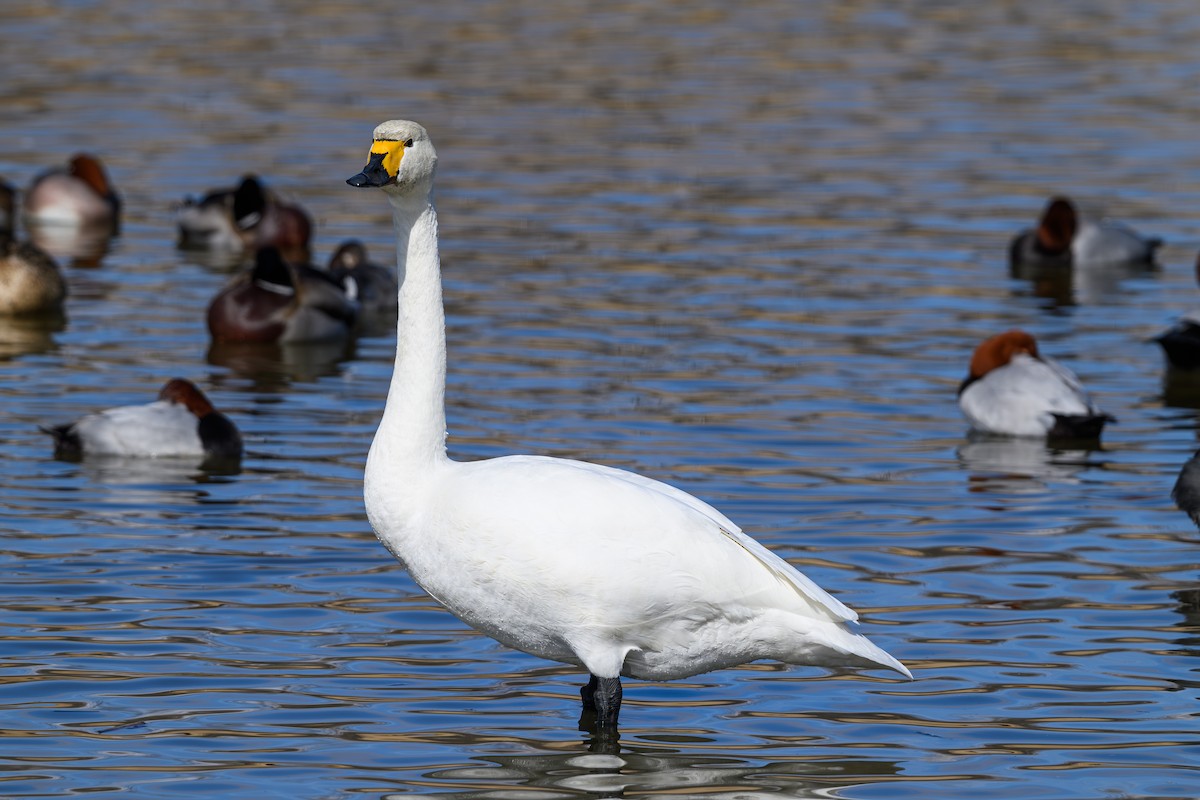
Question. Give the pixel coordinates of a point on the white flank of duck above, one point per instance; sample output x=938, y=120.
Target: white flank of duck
x=1011, y=390
x=78, y=195
x=181, y=422
x=566, y=560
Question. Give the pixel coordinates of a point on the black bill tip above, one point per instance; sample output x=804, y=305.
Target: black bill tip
x=373, y=174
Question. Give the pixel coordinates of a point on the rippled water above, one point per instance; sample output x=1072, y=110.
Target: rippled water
x=746, y=248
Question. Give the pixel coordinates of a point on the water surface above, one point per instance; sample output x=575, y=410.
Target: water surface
x=746, y=249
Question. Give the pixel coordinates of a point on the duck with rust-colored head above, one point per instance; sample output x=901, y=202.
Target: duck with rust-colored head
x=78, y=195
x=1064, y=238
x=1013, y=390
x=181, y=422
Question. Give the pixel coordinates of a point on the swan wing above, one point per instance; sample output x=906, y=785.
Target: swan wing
x=702, y=518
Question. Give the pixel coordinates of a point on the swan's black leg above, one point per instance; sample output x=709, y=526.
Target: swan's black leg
x=601, y=703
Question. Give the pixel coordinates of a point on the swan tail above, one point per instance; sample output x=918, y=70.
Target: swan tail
x=851, y=649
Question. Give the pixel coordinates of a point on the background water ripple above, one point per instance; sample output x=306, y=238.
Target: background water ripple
x=745, y=248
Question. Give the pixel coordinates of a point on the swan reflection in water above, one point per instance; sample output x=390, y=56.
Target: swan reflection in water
x=640, y=769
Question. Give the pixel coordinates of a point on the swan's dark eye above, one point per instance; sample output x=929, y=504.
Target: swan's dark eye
x=408, y=142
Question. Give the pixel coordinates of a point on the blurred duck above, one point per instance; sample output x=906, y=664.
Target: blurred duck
x=1181, y=342
x=1011, y=390
x=374, y=286
x=277, y=301
x=1186, y=492
x=243, y=220
x=8, y=206
x=30, y=281
x=1063, y=238
x=181, y=422
x=79, y=195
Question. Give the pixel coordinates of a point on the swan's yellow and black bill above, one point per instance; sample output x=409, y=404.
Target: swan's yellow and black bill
x=383, y=163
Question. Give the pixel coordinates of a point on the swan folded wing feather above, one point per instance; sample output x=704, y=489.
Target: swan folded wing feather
x=765, y=556
x=687, y=530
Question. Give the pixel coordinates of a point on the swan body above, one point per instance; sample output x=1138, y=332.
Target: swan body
x=79, y=195
x=277, y=301
x=181, y=422
x=1011, y=390
x=1063, y=238
x=244, y=219
x=566, y=560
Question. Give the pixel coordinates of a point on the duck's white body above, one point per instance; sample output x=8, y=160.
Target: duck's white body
x=181, y=422
x=77, y=195
x=1104, y=242
x=1063, y=237
x=568, y=560
x=1025, y=397
x=1013, y=390
x=157, y=429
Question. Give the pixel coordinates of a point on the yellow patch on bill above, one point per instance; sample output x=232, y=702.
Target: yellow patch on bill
x=392, y=153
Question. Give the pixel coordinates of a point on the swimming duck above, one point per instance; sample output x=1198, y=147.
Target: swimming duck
x=8, y=206
x=374, y=286
x=245, y=218
x=1012, y=390
x=1063, y=238
x=1181, y=342
x=277, y=301
x=181, y=422
x=1186, y=491
x=567, y=560
x=30, y=281
x=79, y=195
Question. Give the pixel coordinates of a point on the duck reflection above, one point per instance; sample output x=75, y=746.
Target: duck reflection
x=80, y=246
x=273, y=366
x=153, y=473
x=998, y=462
x=1065, y=286
x=21, y=336
x=1181, y=387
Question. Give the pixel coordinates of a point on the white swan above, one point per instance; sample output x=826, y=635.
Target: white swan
x=566, y=560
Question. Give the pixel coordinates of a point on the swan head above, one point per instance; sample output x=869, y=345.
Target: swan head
x=401, y=160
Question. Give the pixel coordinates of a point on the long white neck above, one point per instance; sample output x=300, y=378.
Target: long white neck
x=412, y=434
